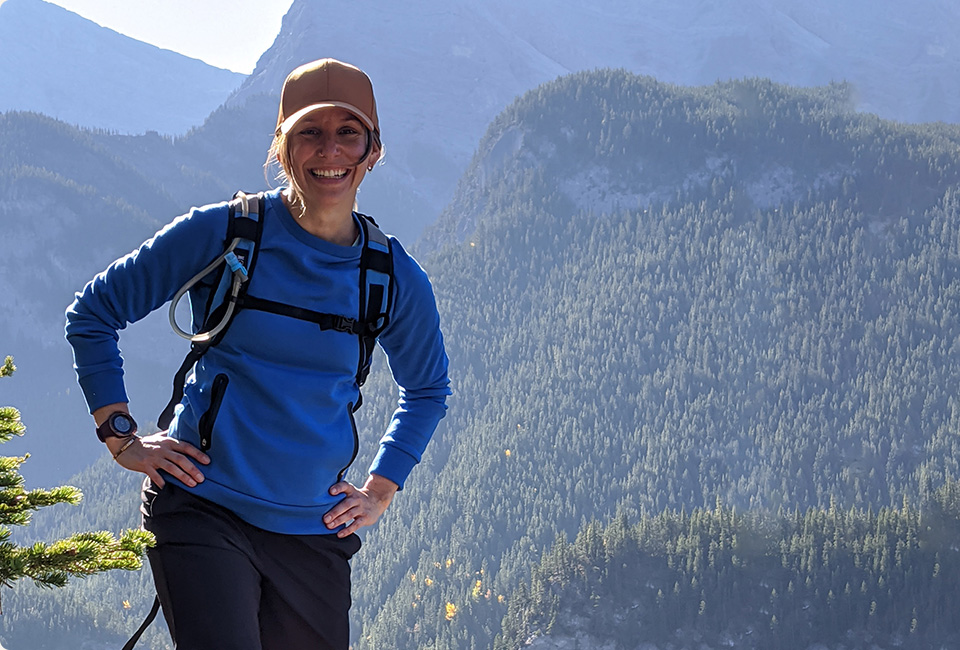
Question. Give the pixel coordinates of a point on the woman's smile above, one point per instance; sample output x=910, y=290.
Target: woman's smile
x=329, y=173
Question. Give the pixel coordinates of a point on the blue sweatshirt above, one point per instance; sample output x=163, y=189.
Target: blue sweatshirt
x=284, y=429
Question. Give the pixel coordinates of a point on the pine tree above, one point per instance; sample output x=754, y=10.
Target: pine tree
x=51, y=565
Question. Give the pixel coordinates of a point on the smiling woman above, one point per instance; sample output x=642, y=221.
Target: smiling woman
x=246, y=491
x=325, y=146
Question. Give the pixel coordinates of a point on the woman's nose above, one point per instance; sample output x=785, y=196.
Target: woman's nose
x=326, y=145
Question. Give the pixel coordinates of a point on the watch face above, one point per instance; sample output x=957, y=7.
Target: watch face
x=121, y=423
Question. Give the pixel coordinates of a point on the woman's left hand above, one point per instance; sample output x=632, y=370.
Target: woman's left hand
x=361, y=506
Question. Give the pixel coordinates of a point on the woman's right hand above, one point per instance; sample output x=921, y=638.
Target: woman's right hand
x=149, y=454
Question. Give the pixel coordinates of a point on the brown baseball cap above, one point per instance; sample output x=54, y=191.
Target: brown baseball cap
x=325, y=83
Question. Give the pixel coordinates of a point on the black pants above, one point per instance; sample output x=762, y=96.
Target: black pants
x=227, y=585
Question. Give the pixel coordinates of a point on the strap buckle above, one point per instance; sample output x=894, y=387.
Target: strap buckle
x=344, y=324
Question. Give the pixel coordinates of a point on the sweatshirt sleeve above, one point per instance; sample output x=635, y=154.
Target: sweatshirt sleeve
x=414, y=346
x=131, y=288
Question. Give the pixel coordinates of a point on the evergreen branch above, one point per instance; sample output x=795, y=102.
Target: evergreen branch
x=17, y=505
x=8, y=468
x=53, y=564
x=42, y=498
x=10, y=424
x=81, y=555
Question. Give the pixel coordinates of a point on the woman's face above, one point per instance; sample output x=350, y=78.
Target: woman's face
x=323, y=151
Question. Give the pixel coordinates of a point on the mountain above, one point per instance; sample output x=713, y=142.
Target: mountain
x=656, y=299
x=895, y=56
x=54, y=62
x=444, y=69
x=441, y=71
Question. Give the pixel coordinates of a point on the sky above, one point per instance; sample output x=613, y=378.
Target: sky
x=229, y=34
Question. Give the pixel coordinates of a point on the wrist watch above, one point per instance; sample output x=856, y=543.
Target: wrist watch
x=117, y=425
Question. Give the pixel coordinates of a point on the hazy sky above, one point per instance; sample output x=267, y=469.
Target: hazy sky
x=228, y=34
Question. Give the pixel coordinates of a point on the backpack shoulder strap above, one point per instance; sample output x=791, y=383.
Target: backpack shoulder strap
x=244, y=229
x=236, y=264
x=376, y=291
x=376, y=276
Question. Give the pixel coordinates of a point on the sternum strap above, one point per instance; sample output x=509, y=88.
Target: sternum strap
x=325, y=321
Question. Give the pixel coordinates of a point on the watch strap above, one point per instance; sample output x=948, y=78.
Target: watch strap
x=108, y=428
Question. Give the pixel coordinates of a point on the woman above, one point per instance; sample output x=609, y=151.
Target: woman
x=254, y=535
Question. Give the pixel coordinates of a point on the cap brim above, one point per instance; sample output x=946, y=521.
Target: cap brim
x=292, y=121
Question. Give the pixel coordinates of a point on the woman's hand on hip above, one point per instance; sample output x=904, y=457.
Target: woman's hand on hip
x=360, y=506
x=149, y=454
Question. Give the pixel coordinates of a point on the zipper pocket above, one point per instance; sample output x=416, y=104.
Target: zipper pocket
x=205, y=427
x=356, y=443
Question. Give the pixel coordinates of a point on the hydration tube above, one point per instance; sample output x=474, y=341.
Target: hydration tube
x=239, y=277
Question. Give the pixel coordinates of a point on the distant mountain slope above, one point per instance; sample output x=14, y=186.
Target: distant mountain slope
x=899, y=57
x=54, y=62
x=441, y=71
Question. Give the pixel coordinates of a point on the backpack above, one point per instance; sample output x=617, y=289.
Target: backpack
x=234, y=268
x=231, y=271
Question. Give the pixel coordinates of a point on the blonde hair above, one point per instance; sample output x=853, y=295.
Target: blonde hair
x=278, y=156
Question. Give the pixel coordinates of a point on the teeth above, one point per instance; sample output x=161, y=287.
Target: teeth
x=329, y=173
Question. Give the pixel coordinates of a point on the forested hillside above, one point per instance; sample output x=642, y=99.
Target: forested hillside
x=658, y=296
x=718, y=578
x=656, y=299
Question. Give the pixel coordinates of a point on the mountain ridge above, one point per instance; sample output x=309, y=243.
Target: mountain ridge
x=55, y=62
x=509, y=150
